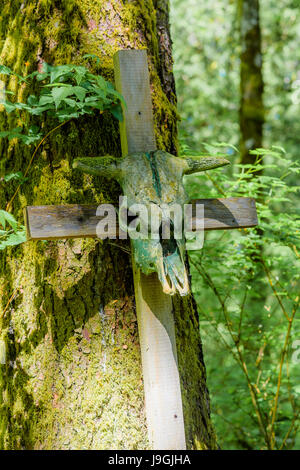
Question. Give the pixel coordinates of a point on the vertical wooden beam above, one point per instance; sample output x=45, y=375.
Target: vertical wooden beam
x=132, y=81
x=154, y=308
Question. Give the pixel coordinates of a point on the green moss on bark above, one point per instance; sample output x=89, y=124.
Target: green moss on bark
x=251, y=80
x=199, y=432
x=72, y=377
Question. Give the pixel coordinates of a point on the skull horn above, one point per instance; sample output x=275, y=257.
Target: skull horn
x=99, y=166
x=202, y=163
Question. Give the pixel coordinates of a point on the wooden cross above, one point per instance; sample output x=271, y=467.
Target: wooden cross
x=154, y=308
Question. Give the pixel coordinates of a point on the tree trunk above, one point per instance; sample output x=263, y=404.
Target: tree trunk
x=72, y=377
x=251, y=80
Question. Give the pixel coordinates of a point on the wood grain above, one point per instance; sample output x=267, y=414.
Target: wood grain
x=132, y=81
x=227, y=213
x=160, y=367
x=163, y=401
x=76, y=221
x=55, y=222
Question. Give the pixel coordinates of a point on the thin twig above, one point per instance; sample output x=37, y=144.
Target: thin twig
x=8, y=303
x=283, y=354
x=121, y=247
x=241, y=360
x=274, y=289
x=215, y=184
x=289, y=431
x=241, y=314
x=9, y=204
x=294, y=248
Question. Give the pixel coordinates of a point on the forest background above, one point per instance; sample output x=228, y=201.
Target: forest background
x=237, y=70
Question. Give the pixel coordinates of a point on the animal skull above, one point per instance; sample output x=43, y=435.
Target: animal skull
x=154, y=180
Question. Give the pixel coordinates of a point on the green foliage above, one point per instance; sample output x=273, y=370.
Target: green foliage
x=64, y=92
x=206, y=67
x=247, y=289
x=15, y=176
x=32, y=136
x=11, y=233
x=245, y=278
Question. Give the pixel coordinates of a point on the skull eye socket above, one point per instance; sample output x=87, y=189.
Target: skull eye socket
x=169, y=245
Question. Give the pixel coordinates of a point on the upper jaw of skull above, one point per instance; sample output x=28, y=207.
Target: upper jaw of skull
x=157, y=248
x=173, y=272
x=152, y=256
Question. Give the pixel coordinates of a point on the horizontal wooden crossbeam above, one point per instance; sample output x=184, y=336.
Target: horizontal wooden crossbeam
x=77, y=221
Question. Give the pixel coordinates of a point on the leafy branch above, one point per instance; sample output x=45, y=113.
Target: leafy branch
x=252, y=299
x=65, y=92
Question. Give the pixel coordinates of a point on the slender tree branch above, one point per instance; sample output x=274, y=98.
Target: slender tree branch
x=9, y=204
x=9, y=302
x=283, y=354
x=241, y=360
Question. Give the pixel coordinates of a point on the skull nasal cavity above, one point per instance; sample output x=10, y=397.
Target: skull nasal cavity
x=169, y=245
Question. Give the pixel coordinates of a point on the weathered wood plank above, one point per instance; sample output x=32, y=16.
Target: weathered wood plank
x=227, y=213
x=75, y=220
x=55, y=222
x=163, y=401
x=160, y=366
x=132, y=81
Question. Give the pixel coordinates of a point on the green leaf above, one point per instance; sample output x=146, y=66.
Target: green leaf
x=281, y=149
x=12, y=133
x=59, y=71
x=117, y=112
x=9, y=218
x=46, y=68
x=92, y=56
x=41, y=76
x=114, y=92
x=80, y=92
x=53, y=85
x=32, y=100
x=42, y=109
x=70, y=102
x=60, y=93
x=9, y=107
x=79, y=74
x=46, y=99
x=63, y=116
x=14, y=176
x=5, y=70
x=16, y=238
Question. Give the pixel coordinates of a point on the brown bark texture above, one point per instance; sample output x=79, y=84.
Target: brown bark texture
x=72, y=377
x=251, y=80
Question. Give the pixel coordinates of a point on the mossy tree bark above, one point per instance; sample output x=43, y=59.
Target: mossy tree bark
x=72, y=377
x=251, y=79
